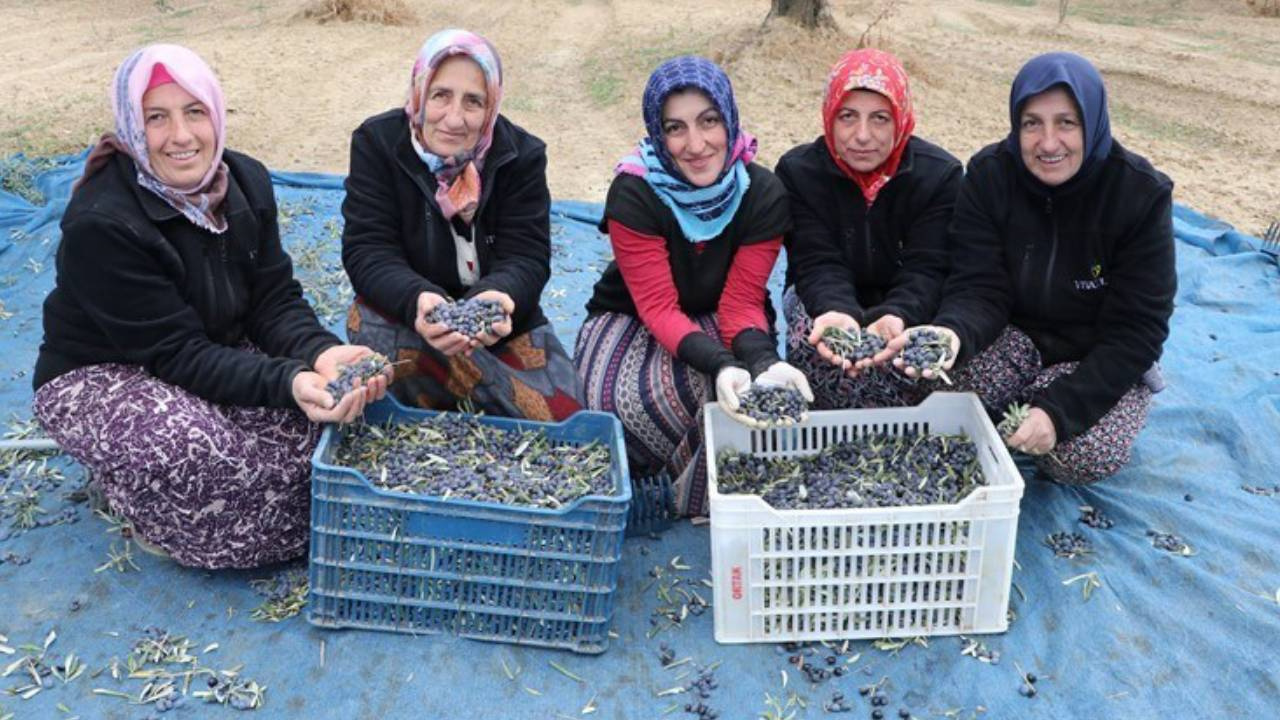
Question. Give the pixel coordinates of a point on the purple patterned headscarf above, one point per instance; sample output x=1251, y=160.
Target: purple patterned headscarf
x=702, y=212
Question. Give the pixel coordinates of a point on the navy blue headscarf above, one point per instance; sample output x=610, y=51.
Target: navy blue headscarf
x=1083, y=81
x=703, y=212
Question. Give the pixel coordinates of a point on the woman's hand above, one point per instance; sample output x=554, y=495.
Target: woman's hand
x=328, y=365
x=887, y=327
x=439, y=336
x=1036, y=435
x=500, y=329
x=731, y=382
x=821, y=323
x=781, y=374
x=313, y=399
x=896, y=345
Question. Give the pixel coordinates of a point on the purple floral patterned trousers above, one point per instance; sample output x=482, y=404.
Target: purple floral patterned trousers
x=214, y=486
x=1007, y=371
x=1010, y=370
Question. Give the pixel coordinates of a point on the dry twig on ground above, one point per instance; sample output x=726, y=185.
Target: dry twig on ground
x=1266, y=8
x=887, y=7
x=381, y=12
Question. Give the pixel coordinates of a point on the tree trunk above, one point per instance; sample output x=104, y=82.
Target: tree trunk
x=809, y=13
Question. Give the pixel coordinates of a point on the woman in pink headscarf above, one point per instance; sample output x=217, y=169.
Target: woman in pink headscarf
x=447, y=201
x=180, y=363
x=867, y=253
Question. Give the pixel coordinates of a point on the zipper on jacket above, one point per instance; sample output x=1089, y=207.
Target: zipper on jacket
x=226, y=277
x=866, y=244
x=1046, y=291
x=210, y=284
x=1024, y=272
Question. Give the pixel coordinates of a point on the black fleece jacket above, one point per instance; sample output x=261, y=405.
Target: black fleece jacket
x=889, y=259
x=1086, y=270
x=138, y=283
x=396, y=244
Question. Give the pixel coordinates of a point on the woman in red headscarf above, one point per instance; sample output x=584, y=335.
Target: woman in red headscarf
x=870, y=204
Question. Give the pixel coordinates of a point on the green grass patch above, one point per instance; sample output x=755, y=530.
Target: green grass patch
x=521, y=103
x=1137, y=13
x=1146, y=124
x=604, y=87
x=608, y=70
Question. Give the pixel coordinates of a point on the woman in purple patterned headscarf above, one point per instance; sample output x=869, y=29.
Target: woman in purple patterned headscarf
x=447, y=201
x=696, y=228
x=180, y=364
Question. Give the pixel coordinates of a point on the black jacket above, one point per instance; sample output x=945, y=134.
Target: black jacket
x=1087, y=271
x=889, y=259
x=396, y=244
x=138, y=283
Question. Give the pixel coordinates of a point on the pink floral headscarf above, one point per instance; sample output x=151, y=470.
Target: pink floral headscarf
x=458, y=176
x=202, y=203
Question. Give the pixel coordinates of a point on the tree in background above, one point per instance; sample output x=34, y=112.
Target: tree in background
x=808, y=13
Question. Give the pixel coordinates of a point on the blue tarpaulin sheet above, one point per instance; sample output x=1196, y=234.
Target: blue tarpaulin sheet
x=1161, y=635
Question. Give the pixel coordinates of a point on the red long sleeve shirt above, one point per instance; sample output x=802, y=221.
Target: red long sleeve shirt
x=646, y=269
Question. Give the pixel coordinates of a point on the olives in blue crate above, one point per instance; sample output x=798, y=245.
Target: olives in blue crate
x=454, y=455
x=473, y=317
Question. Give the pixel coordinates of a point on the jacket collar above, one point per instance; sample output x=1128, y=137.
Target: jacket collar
x=905, y=165
x=235, y=204
x=1082, y=179
x=501, y=152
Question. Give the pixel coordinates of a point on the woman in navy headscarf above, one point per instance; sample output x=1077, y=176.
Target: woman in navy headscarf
x=1063, y=275
x=695, y=228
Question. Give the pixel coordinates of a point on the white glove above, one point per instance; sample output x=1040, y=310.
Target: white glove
x=780, y=374
x=730, y=382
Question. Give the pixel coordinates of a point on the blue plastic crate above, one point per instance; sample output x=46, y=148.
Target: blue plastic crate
x=403, y=562
x=652, y=504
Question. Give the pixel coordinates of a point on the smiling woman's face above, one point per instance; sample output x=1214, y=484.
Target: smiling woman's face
x=180, y=137
x=456, y=107
x=1051, y=136
x=695, y=136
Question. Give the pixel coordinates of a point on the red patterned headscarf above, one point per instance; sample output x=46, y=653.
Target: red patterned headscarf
x=877, y=71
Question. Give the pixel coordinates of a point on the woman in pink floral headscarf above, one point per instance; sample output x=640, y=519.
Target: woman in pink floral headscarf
x=180, y=364
x=447, y=201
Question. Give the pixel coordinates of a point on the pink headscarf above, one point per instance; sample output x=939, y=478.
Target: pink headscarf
x=458, y=176
x=201, y=203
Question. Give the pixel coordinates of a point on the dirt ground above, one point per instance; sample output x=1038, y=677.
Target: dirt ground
x=1194, y=84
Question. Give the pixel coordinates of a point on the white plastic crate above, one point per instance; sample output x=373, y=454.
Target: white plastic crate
x=791, y=575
